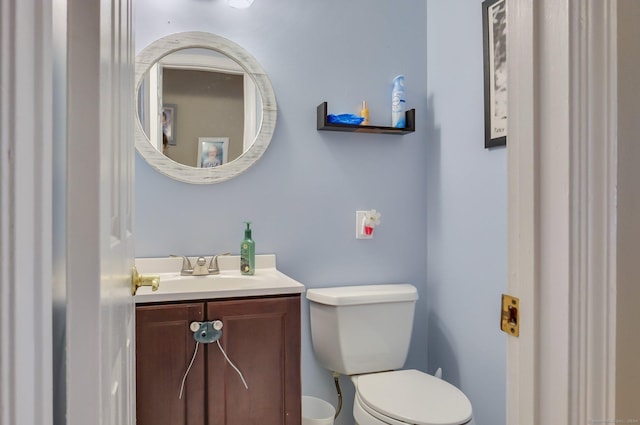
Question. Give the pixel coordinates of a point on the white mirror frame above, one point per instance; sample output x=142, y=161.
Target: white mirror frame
x=185, y=40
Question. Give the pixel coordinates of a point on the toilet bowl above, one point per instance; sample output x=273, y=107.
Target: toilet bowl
x=408, y=397
x=364, y=332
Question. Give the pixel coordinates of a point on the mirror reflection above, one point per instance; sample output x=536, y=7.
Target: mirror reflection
x=199, y=107
x=209, y=151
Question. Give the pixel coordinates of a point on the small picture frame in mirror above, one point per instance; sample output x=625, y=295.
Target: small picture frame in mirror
x=169, y=113
x=212, y=151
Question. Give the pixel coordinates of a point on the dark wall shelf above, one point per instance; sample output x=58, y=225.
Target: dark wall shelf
x=375, y=129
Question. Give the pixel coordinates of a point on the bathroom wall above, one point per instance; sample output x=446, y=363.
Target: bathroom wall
x=466, y=214
x=441, y=195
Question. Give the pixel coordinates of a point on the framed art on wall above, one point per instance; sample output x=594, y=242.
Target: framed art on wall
x=494, y=26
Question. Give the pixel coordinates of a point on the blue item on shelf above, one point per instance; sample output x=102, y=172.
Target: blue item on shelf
x=345, y=119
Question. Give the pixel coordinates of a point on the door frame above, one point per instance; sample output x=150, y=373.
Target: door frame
x=25, y=212
x=562, y=171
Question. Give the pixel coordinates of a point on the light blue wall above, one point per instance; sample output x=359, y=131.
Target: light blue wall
x=303, y=193
x=467, y=214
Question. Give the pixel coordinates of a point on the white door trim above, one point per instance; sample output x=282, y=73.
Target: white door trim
x=594, y=216
x=25, y=212
x=522, y=226
x=562, y=179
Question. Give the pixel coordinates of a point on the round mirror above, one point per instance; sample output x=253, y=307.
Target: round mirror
x=205, y=108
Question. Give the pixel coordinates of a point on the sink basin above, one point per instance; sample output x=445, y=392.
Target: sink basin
x=267, y=280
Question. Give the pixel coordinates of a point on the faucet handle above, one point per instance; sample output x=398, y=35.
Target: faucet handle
x=187, y=268
x=213, y=264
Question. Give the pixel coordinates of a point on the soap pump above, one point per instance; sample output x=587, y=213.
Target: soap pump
x=247, y=252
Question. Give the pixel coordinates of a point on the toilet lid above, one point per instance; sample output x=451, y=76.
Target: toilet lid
x=414, y=397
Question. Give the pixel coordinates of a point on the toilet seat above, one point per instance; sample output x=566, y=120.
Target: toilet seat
x=364, y=415
x=412, y=397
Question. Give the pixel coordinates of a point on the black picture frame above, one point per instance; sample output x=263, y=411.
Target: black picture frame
x=494, y=28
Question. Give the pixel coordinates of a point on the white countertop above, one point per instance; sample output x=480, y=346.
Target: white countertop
x=230, y=283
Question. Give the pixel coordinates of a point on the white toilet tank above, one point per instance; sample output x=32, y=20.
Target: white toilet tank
x=362, y=329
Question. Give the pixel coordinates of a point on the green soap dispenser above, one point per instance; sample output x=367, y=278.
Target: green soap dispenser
x=247, y=252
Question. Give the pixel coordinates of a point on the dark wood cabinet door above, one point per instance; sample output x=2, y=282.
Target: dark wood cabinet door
x=262, y=338
x=164, y=349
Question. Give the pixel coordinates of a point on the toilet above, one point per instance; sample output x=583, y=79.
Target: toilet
x=364, y=332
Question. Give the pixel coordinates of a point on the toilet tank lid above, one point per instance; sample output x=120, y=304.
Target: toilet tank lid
x=363, y=294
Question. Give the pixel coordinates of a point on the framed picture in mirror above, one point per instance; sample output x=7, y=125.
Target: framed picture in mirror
x=169, y=115
x=212, y=151
x=494, y=24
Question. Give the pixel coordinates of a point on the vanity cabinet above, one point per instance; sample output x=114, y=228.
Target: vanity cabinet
x=261, y=336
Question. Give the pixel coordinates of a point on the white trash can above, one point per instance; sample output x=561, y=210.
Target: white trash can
x=316, y=411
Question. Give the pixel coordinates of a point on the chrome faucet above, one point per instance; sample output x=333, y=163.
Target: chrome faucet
x=200, y=268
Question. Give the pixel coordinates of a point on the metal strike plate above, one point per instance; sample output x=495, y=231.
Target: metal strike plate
x=510, y=318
